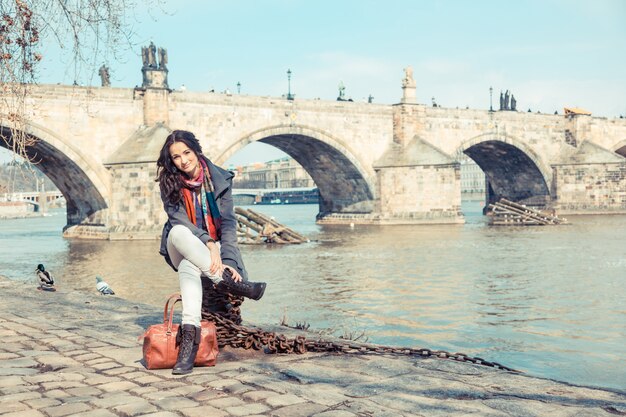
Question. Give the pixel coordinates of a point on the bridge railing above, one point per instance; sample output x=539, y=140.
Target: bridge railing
x=32, y=196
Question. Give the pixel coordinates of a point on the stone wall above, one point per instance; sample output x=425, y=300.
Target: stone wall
x=99, y=119
x=420, y=194
x=155, y=106
x=590, y=188
x=135, y=210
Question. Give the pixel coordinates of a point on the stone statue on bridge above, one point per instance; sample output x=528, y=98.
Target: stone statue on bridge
x=154, y=72
x=408, y=80
x=342, y=92
x=408, y=86
x=507, y=101
x=148, y=56
x=152, y=55
x=104, y=76
x=162, y=58
x=144, y=56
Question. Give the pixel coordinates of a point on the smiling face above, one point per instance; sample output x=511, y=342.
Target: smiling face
x=185, y=159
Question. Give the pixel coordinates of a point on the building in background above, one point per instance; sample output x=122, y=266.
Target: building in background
x=25, y=191
x=279, y=173
x=280, y=181
x=472, y=179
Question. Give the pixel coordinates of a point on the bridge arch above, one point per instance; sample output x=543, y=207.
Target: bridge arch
x=513, y=170
x=84, y=183
x=343, y=182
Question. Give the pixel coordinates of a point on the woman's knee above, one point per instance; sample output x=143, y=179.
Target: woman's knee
x=179, y=234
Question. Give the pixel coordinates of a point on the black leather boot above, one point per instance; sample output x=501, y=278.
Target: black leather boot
x=252, y=290
x=188, y=340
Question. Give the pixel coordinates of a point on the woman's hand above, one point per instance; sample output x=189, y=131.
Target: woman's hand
x=236, y=276
x=216, y=259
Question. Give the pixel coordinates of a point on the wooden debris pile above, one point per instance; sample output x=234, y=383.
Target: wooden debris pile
x=255, y=228
x=508, y=213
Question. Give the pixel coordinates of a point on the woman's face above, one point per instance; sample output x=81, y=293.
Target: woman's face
x=185, y=159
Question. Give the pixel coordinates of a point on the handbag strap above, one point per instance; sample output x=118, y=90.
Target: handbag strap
x=168, y=313
x=168, y=310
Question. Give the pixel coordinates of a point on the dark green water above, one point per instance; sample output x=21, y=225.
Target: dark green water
x=546, y=300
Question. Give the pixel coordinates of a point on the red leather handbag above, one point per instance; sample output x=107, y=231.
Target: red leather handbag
x=159, y=341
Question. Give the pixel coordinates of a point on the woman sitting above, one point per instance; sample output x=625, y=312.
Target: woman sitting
x=200, y=235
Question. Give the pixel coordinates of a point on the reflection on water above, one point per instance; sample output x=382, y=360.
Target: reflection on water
x=548, y=300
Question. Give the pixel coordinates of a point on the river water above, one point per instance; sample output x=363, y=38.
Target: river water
x=546, y=300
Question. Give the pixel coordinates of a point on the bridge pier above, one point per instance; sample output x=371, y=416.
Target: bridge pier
x=417, y=182
x=420, y=194
x=410, y=194
x=590, y=188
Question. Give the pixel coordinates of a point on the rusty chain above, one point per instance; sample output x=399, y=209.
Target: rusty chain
x=230, y=332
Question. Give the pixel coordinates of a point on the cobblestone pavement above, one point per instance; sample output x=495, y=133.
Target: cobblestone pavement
x=77, y=354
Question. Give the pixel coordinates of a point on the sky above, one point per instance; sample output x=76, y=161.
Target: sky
x=549, y=53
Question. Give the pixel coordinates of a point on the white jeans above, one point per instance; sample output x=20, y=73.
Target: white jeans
x=192, y=259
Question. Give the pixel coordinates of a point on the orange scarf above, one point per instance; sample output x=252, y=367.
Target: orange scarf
x=210, y=211
x=190, y=208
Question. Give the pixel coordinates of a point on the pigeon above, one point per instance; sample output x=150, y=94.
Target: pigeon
x=46, y=280
x=103, y=287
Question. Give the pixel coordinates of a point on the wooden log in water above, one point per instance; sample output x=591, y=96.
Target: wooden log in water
x=503, y=215
x=290, y=232
x=523, y=215
x=245, y=236
x=506, y=212
x=257, y=228
x=271, y=227
x=551, y=218
x=265, y=227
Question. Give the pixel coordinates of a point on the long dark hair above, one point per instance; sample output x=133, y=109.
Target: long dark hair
x=168, y=176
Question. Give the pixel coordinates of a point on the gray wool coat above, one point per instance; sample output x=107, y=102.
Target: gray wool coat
x=176, y=214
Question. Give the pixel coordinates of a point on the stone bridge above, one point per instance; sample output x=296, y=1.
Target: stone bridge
x=372, y=163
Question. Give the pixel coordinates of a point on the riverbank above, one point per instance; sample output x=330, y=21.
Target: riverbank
x=17, y=210
x=20, y=216
x=74, y=353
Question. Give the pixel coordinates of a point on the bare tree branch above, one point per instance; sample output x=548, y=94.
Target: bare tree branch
x=93, y=30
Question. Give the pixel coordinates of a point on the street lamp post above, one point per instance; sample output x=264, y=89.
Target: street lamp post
x=238, y=87
x=490, y=98
x=289, y=95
